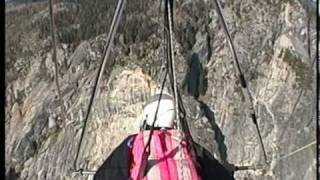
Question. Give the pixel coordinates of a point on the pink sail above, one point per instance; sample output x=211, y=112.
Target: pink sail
x=171, y=157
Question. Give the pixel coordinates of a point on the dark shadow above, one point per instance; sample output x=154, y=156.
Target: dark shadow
x=195, y=82
x=12, y=174
x=210, y=167
x=219, y=137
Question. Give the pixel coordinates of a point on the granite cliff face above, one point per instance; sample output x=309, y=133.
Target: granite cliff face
x=271, y=39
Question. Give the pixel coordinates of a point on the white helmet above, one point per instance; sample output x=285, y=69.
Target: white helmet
x=166, y=112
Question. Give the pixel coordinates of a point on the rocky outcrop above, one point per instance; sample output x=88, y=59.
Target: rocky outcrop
x=271, y=40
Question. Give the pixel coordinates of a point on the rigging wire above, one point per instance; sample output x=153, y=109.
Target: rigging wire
x=242, y=78
x=54, y=59
x=114, y=23
x=243, y=168
x=308, y=32
x=146, y=150
x=180, y=110
x=170, y=66
x=111, y=34
x=169, y=12
x=171, y=62
x=296, y=151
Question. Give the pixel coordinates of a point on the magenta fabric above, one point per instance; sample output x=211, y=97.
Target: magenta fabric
x=171, y=157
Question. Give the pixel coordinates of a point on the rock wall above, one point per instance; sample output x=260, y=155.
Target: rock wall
x=271, y=39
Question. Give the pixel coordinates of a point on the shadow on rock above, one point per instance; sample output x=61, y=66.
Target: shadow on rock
x=219, y=137
x=11, y=174
x=195, y=82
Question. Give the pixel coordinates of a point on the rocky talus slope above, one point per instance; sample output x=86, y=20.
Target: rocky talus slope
x=271, y=39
